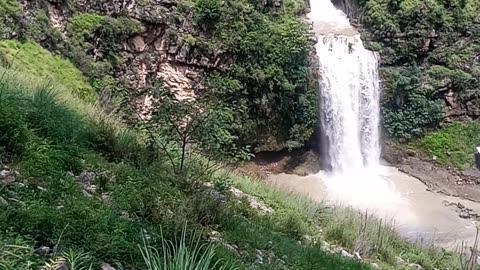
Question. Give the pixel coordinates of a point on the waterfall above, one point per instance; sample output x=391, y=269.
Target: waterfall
x=349, y=91
x=349, y=106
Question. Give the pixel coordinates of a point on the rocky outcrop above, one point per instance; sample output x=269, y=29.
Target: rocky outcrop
x=164, y=48
x=351, y=7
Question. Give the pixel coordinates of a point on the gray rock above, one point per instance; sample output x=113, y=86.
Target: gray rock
x=254, y=202
x=106, y=266
x=374, y=266
x=259, y=256
x=106, y=199
x=415, y=266
x=344, y=253
x=477, y=158
x=8, y=176
x=399, y=260
x=86, y=177
x=357, y=256
x=42, y=251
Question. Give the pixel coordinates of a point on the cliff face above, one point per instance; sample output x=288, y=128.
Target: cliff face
x=430, y=59
x=154, y=52
x=251, y=56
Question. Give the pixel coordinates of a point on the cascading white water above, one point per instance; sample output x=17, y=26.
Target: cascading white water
x=349, y=93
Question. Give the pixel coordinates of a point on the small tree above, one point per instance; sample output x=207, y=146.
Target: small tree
x=194, y=133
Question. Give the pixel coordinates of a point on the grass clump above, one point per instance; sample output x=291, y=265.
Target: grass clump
x=182, y=254
x=453, y=145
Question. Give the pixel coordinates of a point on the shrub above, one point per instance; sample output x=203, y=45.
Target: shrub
x=416, y=116
x=208, y=12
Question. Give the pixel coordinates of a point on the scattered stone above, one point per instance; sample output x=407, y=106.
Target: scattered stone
x=86, y=177
x=325, y=247
x=86, y=194
x=259, y=256
x=232, y=248
x=8, y=176
x=399, y=260
x=344, y=253
x=254, y=202
x=42, y=251
x=357, y=256
x=41, y=188
x=86, y=180
x=214, y=236
x=106, y=199
x=375, y=266
x=415, y=266
x=307, y=239
x=106, y=266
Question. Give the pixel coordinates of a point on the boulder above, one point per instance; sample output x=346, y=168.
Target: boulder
x=8, y=176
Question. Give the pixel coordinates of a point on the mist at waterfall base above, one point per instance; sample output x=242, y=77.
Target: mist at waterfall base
x=350, y=115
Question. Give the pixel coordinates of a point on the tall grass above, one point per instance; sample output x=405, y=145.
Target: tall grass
x=30, y=58
x=182, y=254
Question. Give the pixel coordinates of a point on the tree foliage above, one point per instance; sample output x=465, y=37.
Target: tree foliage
x=267, y=87
x=428, y=49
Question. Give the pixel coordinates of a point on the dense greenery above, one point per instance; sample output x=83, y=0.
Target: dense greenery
x=429, y=50
x=30, y=58
x=453, y=145
x=47, y=139
x=10, y=11
x=265, y=81
x=267, y=86
x=140, y=202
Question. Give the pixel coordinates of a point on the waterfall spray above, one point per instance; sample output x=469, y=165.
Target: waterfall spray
x=349, y=94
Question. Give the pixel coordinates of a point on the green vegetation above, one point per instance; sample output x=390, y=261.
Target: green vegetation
x=30, y=58
x=427, y=49
x=94, y=42
x=453, y=145
x=182, y=255
x=267, y=86
x=10, y=11
x=407, y=111
x=128, y=201
x=46, y=138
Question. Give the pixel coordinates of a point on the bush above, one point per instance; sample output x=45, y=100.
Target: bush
x=415, y=117
x=208, y=12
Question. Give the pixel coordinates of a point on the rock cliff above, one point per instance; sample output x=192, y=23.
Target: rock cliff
x=250, y=55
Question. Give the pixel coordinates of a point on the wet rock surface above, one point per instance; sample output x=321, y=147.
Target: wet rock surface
x=463, y=211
